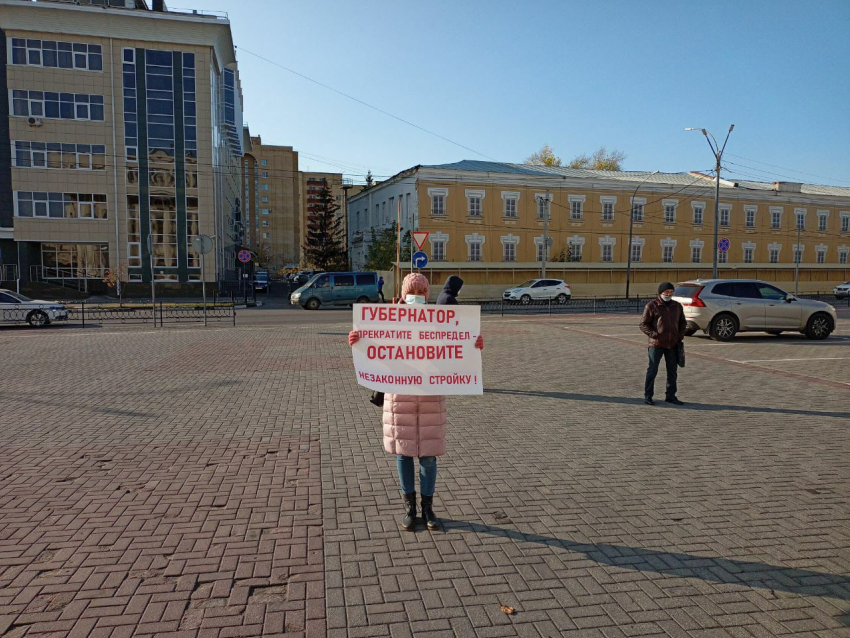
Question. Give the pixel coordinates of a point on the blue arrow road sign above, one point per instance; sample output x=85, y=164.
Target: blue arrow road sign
x=723, y=245
x=420, y=259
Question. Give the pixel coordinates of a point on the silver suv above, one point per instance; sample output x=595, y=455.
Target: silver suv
x=724, y=307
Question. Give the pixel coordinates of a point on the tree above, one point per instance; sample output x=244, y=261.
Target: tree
x=370, y=182
x=264, y=255
x=324, y=248
x=544, y=157
x=115, y=278
x=601, y=160
x=381, y=254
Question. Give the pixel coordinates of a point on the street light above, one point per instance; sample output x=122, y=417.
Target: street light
x=631, y=226
x=717, y=151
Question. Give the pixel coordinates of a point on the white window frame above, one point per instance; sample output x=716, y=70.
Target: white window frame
x=606, y=245
x=608, y=200
x=751, y=247
x=820, y=253
x=639, y=202
x=725, y=211
x=800, y=213
x=576, y=246
x=440, y=195
x=474, y=240
x=506, y=241
x=771, y=249
x=776, y=217
x=438, y=245
x=510, y=200
x=797, y=253
x=538, y=245
x=577, y=207
x=696, y=245
x=843, y=252
x=845, y=221
x=475, y=203
x=823, y=221
x=670, y=206
x=539, y=199
x=637, y=249
x=698, y=206
x=750, y=213
x=668, y=244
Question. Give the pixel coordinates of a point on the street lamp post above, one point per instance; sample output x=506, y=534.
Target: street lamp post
x=631, y=226
x=717, y=151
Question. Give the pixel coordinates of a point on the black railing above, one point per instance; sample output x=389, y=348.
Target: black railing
x=83, y=314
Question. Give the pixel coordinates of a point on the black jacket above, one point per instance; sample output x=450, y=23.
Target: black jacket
x=449, y=295
x=664, y=323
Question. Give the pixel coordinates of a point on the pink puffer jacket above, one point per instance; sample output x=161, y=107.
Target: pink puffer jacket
x=414, y=425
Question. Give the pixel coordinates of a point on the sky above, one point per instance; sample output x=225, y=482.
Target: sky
x=502, y=78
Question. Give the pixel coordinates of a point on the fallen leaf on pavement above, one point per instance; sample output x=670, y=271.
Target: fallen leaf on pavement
x=508, y=610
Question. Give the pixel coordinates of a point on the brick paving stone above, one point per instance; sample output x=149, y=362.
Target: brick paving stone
x=232, y=482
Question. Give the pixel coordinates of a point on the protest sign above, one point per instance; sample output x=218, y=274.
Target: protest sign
x=418, y=349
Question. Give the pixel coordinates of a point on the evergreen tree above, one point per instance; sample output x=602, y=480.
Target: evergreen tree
x=381, y=253
x=324, y=248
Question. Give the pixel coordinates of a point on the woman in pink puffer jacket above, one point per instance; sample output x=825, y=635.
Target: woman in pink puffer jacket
x=415, y=426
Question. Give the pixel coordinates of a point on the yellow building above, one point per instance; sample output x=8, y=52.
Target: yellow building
x=125, y=128
x=487, y=220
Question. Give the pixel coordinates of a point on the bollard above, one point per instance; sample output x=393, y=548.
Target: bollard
x=160, y=315
x=502, y=303
x=83, y=312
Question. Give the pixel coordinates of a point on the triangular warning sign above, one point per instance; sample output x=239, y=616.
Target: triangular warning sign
x=419, y=237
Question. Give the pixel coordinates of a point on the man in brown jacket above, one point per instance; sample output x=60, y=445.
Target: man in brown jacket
x=664, y=323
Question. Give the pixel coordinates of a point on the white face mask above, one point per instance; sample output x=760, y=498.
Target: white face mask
x=666, y=297
x=411, y=299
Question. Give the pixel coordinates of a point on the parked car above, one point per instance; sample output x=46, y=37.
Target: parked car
x=15, y=308
x=539, y=289
x=261, y=281
x=337, y=289
x=725, y=307
x=303, y=276
x=842, y=291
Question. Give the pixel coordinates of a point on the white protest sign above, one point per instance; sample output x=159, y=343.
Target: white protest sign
x=418, y=349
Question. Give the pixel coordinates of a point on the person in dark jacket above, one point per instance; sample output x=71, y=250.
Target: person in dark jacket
x=664, y=323
x=381, y=289
x=450, y=291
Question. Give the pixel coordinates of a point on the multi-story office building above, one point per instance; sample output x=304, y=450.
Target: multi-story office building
x=271, y=186
x=486, y=221
x=122, y=141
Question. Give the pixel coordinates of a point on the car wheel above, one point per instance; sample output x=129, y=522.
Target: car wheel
x=363, y=300
x=38, y=319
x=312, y=304
x=525, y=300
x=723, y=327
x=819, y=326
x=562, y=298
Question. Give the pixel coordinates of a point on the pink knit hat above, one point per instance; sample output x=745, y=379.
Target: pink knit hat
x=414, y=284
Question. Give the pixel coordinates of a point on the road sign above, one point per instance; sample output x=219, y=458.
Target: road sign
x=419, y=237
x=244, y=256
x=723, y=245
x=420, y=259
x=203, y=244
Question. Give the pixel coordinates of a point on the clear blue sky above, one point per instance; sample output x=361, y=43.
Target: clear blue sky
x=505, y=77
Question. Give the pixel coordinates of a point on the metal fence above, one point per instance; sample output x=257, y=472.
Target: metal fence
x=163, y=313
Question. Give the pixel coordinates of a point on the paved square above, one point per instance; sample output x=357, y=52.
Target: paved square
x=231, y=482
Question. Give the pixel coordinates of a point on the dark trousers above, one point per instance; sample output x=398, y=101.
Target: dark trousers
x=381, y=292
x=671, y=360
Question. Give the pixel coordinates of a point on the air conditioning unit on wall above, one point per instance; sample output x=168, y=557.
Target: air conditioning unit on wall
x=34, y=121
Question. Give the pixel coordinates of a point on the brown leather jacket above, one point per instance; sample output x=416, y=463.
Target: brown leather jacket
x=663, y=323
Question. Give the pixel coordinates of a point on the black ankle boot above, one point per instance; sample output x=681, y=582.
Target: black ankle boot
x=431, y=519
x=409, y=520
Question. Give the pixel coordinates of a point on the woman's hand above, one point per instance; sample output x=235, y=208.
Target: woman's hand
x=479, y=342
x=353, y=337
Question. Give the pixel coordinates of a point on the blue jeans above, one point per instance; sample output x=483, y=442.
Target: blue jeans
x=427, y=474
x=671, y=362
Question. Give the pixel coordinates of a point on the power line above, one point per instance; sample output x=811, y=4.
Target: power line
x=366, y=104
x=789, y=169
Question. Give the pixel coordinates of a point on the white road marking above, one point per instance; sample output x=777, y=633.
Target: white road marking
x=780, y=360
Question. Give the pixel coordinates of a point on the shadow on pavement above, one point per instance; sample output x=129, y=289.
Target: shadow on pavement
x=803, y=582
x=706, y=407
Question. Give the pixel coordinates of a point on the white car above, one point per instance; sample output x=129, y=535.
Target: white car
x=15, y=308
x=539, y=290
x=842, y=291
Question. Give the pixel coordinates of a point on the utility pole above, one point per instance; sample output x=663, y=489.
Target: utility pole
x=631, y=229
x=717, y=151
x=545, y=251
x=798, y=254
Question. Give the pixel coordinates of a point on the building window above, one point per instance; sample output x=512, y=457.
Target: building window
x=266, y=235
x=696, y=254
x=475, y=206
x=60, y=106
x=638, y=204
x=75, y=261
x=698, y=215
x=798, y=254
x=774, y=255
x=670, y=206
x=667, y=254
x=264, y=199
x=265, y=211
x=775, y=219
x=821, y=255
x=823, y=218
x=845, y=222
x=725, y=214
x=750, y=217
x=544, y=209
x=510, y=207
x=842, y=257
x=509, y=251
x=575, y=250
x=576, y=207
x=637, y=251
x=722, y=257
x=87, y=157
x=438, y=250
x=438, y=200
x=540, y=252
x=801, y=220
x=265, y=174
x=264, y=187
x=474, y=249
x=57, y=55
x=61, y=205
x=607, y=211
x=748, y=255
x=607, y=252
x=264, y=162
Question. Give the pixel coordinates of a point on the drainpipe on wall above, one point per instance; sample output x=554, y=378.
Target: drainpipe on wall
x=115, y=170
